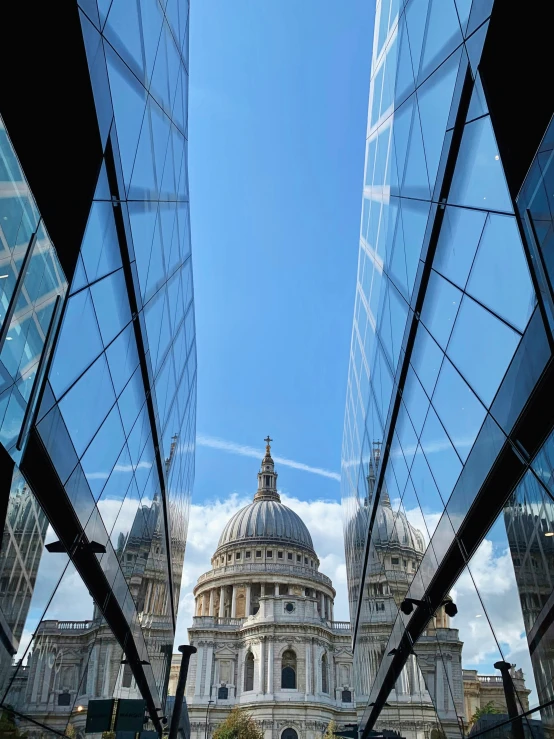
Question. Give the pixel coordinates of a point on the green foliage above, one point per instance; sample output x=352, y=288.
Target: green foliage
x=8, y=727
x=238, y=725
x=483, y=711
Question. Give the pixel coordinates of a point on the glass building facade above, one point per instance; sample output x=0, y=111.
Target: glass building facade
x=448, y=447
x=97, y=361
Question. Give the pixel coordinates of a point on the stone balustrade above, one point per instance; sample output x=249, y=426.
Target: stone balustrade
x=269, y=568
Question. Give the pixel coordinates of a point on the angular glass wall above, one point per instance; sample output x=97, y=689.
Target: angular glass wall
x=32, y=288
x=117, y=412
x=449, y=341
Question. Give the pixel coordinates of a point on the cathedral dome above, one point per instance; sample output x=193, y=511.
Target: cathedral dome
x=395, y=527
x=266, y=519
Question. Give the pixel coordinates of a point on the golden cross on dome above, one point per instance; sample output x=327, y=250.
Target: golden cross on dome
x=268, y=442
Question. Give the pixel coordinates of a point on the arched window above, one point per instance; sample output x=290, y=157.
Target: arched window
x=288, y=670
x=289, y=734
x=346, y=696
x=249, y=672
x=324, y=675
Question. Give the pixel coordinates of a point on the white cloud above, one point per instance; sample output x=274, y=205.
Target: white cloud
x=248, y=451
x=425, y=523
x=324, y=522
x=491, y=571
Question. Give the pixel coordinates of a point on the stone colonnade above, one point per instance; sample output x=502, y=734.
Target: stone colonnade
x=216, y=601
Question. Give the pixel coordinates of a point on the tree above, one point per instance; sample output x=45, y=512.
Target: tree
x=8, y=727
x=330, y=730
x=239, y=724
x=483, y=711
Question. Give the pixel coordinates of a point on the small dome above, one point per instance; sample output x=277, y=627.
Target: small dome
x=266, y=519
x=389, y=526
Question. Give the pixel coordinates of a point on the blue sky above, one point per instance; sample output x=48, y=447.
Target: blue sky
x=277, y=121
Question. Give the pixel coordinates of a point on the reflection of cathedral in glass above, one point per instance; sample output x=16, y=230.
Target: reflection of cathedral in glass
x=20, y=551
x=72, y=662
x=529, y=519
x=396, y=551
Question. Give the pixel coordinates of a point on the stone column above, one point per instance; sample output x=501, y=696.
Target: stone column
x=439, y=684
x=36, y=678
x=248, y=599
x=262, y=664
x=198, y=681
x=322, y=604
x=276, y=588
x=51, y=658
x=208, y=676
x=332, y=611
x=308, y=668
x=106, y=683
x=234, y=602
x=262, y=589
x=222, y=601
x=211, y=606
x=270, y=667
x=314, y=668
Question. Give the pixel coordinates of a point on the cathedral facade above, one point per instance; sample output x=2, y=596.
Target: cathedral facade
x=264, y=628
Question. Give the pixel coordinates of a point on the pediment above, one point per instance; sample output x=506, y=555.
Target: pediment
x=225, y=652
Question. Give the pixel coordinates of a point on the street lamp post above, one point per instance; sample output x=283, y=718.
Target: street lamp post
x=186, y=651
x=207, y=716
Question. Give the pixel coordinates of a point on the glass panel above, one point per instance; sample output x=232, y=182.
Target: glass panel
x=414, y=221
x=478, y=103
x=443, y=34
x=100, y=248
x=478, y=179
x=416, y=181
x=426, y=492
x=494, y=342
x=426, y=359
x=434, y=101
x=492, y=570
x=459, y=237
x=146, y=237
x=440, y=308
x=443, y=460
x=458, y=408
x=129, y=102
x=124, y=33
x=86, y=405
x=102, y=452
x=510, y=294
x=416, y=18
x=111, y=305
x=78, y=344
x=122, y=358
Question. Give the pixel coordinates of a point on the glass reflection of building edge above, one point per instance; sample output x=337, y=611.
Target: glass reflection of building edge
x=451, y=362
x=64, y=646
x=396, y=551
x=20, y=551
x=97, y=360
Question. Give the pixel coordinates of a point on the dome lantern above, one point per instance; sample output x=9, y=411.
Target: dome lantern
x=266, y=519
x=267, y=477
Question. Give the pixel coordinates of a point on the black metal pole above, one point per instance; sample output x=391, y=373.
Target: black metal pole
x=207, y=716
x=510, y=695
x=186, y=650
